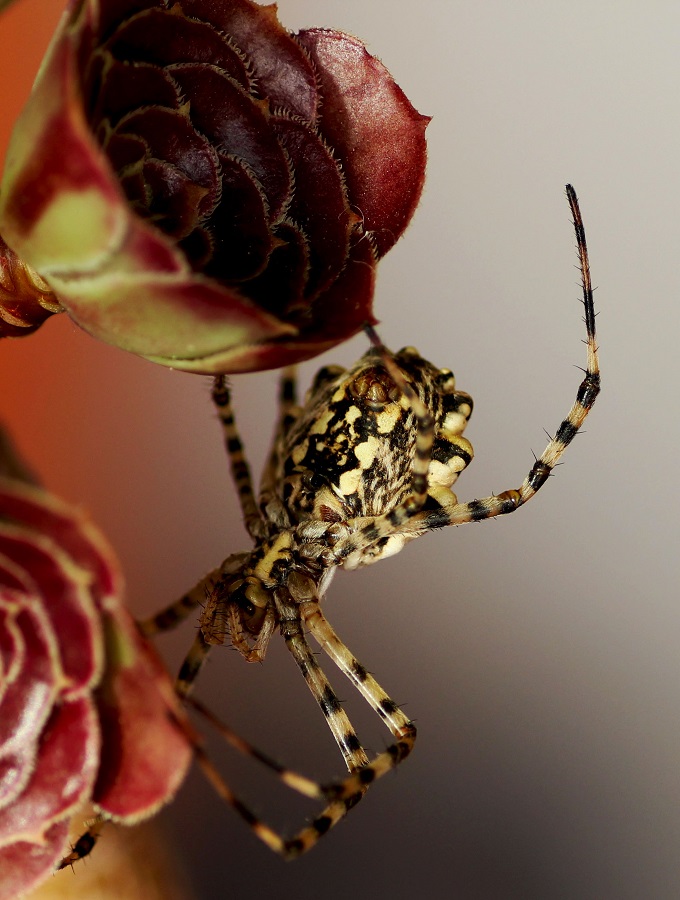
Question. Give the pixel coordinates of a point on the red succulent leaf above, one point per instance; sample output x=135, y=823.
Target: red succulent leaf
x=71, y=610
x=201, y=187
x=145, y=751
x=375, y=132
x=66, y=763
x=73, y=729
x=25, y=864
x=281, y=68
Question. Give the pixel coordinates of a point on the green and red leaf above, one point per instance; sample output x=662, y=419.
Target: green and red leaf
x=194, y=183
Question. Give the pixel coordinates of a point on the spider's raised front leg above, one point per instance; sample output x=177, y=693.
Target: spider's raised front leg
x=410, y=518
x=509, y=501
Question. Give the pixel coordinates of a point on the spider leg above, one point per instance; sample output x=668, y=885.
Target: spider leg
x=178, y=611
x=399, y=724
x=203, y=594
x=340, y=796
x=509, y=501
x=287, y=400
x=288, y=413
x=84, y=845
x=192, y=664
x=338, y=721
x=240, y=469
x=218, y=620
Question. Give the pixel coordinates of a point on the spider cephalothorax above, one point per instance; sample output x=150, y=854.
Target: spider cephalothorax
x=363, y=466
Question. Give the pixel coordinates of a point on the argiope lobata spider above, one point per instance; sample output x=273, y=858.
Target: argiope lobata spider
x=363, y=467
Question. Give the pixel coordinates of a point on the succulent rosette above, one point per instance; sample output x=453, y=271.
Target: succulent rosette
x=85, y=707
x=205, y=189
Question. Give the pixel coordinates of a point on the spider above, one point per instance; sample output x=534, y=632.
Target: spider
x=364, y=466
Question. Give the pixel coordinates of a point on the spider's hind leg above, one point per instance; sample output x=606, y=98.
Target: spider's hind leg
x=84, y=845
x=176, y=612
x=339, y=796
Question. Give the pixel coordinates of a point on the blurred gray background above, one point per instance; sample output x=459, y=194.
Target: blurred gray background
x=538, y=654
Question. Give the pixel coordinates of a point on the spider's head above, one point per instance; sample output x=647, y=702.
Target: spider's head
x=246, y=609
x=249, y=600
x=238, y=605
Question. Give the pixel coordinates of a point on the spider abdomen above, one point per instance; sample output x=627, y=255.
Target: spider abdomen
x=350, y=453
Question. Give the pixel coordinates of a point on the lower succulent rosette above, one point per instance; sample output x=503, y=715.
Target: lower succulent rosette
x=87, y=713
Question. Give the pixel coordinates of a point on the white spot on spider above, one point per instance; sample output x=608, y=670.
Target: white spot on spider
x=322, y=423
x=455, y=422
x=298, y=453
x=349, y=482
x=367, y=451
x=388, y=418
x=352, y=414
x=441, y=474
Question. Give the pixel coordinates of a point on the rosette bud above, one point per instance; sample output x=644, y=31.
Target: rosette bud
x=205, y=189
x=87, y=713
x=25, y=298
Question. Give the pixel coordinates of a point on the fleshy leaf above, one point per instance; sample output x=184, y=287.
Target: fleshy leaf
x=375, y=131
x=145, y=753
x=193, y=181
x=87, y=712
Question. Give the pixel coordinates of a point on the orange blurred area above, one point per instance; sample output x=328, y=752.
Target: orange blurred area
x=25, y=31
